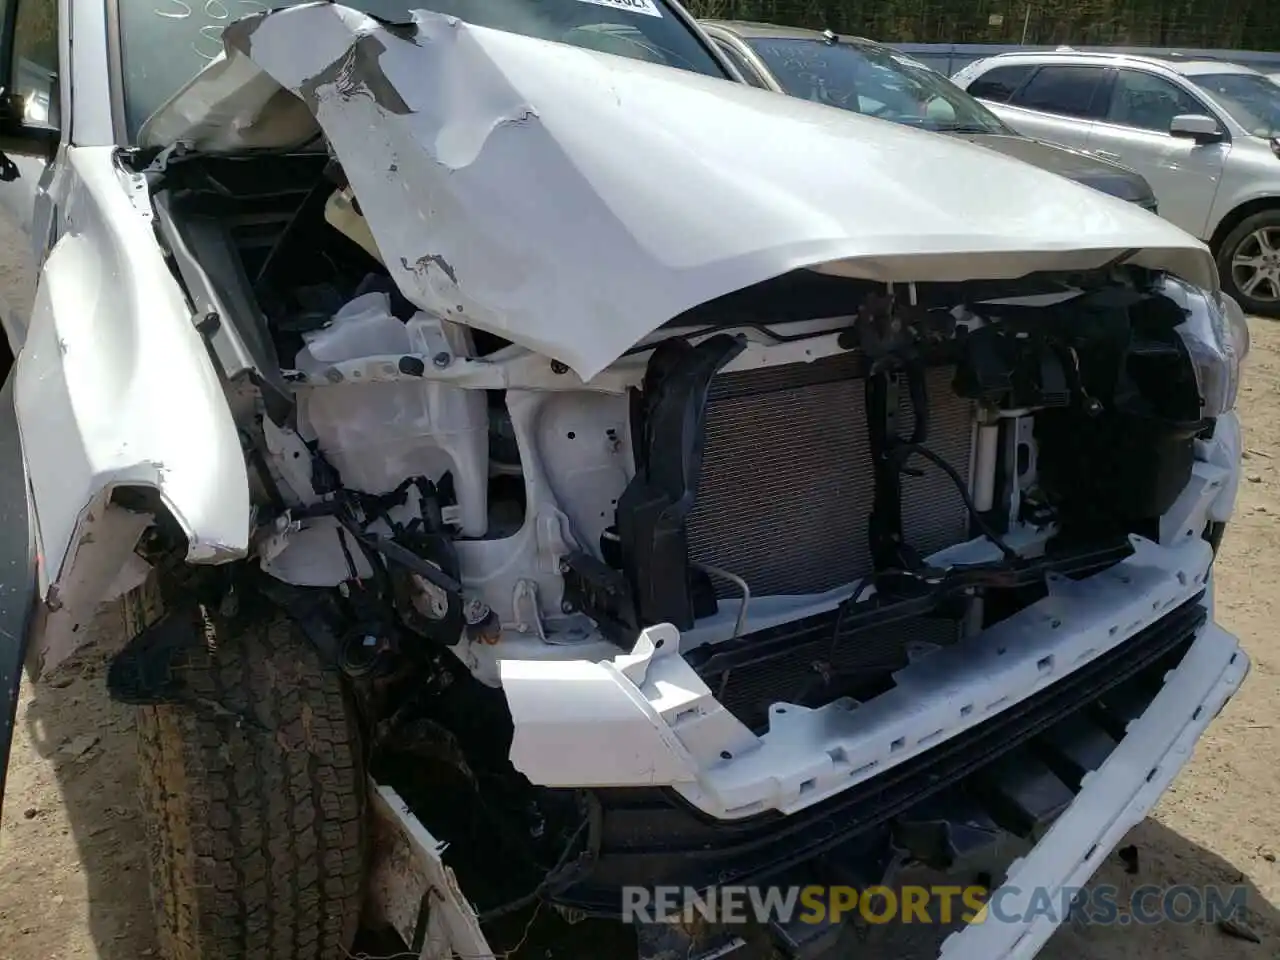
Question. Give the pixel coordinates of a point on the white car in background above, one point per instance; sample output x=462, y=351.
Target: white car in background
x=1204, y=134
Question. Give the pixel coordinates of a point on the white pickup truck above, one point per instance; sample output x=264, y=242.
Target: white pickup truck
x=553, y=469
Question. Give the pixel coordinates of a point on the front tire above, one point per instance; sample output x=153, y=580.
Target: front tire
x=253, y=802
x=1249, y=263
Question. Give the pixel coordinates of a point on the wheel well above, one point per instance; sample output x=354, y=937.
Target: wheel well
x=167, y=535
x=1239, y=215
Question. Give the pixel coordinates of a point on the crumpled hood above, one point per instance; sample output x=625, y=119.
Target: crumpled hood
x=573, y=201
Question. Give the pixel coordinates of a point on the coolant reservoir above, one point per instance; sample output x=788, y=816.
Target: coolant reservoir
x=341, y=213
x=376, y=435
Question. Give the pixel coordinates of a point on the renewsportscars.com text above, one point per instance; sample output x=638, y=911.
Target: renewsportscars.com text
x=1102, y=904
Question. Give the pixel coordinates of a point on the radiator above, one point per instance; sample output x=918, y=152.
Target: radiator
x=784, y=501
x=787, y=486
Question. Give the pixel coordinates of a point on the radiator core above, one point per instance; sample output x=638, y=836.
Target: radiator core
x=787, y=484
x=784, y=501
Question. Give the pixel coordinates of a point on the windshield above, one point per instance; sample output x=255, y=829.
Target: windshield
x=164, y=43
x=1252, y=100
x=876, y=82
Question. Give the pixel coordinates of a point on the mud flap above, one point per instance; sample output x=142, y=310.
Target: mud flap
x=18, y=592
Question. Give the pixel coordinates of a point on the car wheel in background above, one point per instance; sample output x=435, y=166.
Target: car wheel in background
x=1249, y=263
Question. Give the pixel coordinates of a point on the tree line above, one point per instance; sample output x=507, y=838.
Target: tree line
x=1227, y=24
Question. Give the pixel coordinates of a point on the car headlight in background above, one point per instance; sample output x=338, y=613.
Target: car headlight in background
x=1216, y=335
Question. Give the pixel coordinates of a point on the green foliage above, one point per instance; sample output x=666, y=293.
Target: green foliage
x=1228, y=24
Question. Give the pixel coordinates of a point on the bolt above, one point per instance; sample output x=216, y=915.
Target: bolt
x=564, y=567
x=566, y=607
x=410, y=366
x=475, y=612
x=442, y=359
x=558, y=368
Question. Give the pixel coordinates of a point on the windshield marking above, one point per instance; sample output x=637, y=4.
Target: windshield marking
x=166, y=42
x=646, y=7
x=208, y=42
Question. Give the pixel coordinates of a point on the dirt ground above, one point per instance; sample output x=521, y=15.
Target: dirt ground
x=72, y=870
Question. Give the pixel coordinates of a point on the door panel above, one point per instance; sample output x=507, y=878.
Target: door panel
x=24, y=204
x=1184, y=175
x=1058, y=103
x=1065, y=131
x=18, y=260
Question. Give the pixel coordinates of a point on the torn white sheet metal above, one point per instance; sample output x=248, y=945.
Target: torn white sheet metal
x=101, y=566
x=114, y=388
x=411, y=889
x=573, y=201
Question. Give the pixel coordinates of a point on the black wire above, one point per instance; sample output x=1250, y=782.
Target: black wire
x=988, y=531
x=511, y=906
x=346, y=553
x=845, y=605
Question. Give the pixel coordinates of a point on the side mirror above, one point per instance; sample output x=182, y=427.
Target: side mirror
x=1197, y=127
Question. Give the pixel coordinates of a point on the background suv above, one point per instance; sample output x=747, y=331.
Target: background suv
x=1203, y=133
x=877, y=81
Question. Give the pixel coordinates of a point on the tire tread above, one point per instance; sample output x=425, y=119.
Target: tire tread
x=253, y=801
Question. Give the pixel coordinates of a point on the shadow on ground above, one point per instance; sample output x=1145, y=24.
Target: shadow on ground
x=1164, y=859
x=86, y=743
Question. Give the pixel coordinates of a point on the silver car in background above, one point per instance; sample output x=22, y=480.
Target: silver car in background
x=868, y=78
x=1205, y=134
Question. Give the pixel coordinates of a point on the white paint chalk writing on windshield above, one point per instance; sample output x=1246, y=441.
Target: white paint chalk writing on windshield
x=215, y=15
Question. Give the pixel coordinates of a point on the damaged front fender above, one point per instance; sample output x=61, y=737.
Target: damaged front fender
x=114, y=389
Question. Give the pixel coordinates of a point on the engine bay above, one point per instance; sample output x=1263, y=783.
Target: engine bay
x=816, y=484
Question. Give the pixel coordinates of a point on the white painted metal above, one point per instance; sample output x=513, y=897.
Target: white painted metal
x=113, y=383
x=478, y=201
x=577, y=246
x=409, y=884
x=1113, y=799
